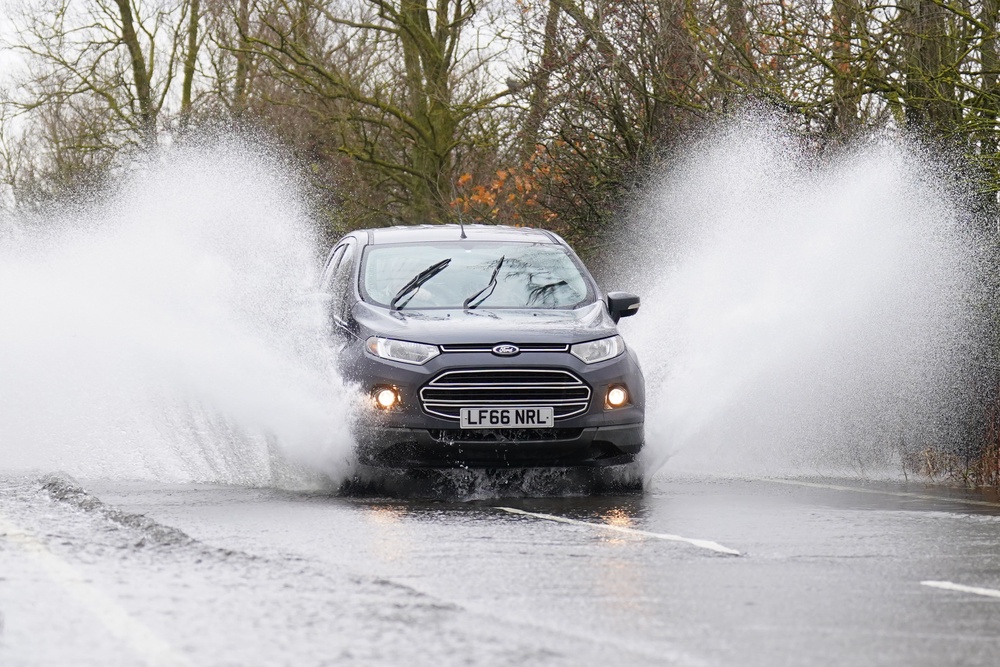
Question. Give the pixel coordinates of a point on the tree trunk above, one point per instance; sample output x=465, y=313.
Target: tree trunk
x=242, y=61
x=989, y=101
x=930, y=97
x=540, y=83
x=190, y=61
x=426, y=56
x=845, y=97
x=677, y=68
x=991, y=64
x=143, y=90
x=737, y=62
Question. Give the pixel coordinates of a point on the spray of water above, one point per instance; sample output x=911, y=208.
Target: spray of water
x=798, y=314
x=802, y=314
x=160, y=332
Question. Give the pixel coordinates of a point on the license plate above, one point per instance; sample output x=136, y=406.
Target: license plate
x=507, y=417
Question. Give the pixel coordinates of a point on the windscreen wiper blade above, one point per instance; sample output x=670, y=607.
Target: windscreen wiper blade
x=489, y=286
x=416, y=282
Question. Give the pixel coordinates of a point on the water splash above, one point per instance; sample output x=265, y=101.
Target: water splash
x=798, y=314
x=802, y=314
x=160, y=333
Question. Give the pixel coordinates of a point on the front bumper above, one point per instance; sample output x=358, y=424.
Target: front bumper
x=407, y=436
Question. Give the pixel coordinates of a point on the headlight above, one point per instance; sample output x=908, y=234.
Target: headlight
x=598, y=350
x=401, y=350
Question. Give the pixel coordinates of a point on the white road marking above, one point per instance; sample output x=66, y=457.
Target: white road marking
x=153, y=649
x=903, y=494
x=703, y=544
x=949, y=586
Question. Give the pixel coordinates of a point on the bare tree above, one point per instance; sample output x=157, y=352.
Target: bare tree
x=122, y=54
x=394, y=82
x=100, y=76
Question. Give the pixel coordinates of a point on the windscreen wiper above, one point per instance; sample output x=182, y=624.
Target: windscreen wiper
x=416, y=282
x=489, y=286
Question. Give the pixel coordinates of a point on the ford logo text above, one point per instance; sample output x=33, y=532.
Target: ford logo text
x=506, y=350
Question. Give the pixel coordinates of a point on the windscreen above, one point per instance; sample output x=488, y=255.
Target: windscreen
x=530, y=275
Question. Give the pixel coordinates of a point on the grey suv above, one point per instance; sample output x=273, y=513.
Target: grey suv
x=482, y=346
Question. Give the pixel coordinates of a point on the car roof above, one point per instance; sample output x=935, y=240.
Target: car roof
x=451, y=232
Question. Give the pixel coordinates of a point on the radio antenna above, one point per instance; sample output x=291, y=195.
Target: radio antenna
x=461, y=222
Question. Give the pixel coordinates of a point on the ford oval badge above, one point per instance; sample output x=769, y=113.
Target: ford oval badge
x=506, y=350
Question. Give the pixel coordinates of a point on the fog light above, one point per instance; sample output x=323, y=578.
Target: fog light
x=617, y=396
x=386, y=397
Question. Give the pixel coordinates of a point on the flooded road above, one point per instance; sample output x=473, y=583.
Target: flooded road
x=827, y=572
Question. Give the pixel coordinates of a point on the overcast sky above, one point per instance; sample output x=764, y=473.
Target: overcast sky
x=8, y=59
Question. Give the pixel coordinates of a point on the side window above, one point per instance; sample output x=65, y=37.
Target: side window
x=326, y=281
x=342, y=284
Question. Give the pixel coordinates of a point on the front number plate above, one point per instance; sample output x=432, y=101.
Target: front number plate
x=507, y=417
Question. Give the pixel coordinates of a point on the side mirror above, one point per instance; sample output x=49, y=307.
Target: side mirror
x=622, y=304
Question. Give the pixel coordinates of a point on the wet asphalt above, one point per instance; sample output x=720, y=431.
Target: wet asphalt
x=829, y=572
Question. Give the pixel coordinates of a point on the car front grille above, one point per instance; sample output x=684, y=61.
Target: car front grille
x=449, y=392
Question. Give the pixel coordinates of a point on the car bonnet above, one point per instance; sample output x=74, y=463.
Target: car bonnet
x=456, y=326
